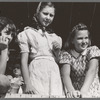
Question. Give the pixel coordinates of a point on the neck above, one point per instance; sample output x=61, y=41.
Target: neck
x=75, y=53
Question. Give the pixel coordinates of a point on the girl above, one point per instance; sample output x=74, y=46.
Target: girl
x=7, y=32
x=17, y=80
x=80, y=64
x=38, y=42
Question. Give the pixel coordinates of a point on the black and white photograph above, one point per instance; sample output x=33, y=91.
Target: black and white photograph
x=49, y=49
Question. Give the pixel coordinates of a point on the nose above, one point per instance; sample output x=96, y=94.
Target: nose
x=48, y=16
x=9, y=37
x=84, y=40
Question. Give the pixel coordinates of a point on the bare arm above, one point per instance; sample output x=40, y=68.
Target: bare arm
x=71, y=92
x=65, y=71
x=3, y=60
x=4, y=54
x=24, y=67
x=93, y=63
x=25, y=73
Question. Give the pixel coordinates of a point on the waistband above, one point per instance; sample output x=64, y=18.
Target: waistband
x=44, y=57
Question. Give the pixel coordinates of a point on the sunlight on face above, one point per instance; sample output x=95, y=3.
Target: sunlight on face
x=46, y=16
x=6, y=35
x=81, y=40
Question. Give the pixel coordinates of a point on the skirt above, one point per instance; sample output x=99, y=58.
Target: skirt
x=45, y=77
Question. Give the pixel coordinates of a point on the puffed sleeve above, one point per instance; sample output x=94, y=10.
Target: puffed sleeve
x=58, y=39
x=93, y=52
x=64, y=58
x=23, y=42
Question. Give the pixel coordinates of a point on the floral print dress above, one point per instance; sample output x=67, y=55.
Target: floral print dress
x=79, y=68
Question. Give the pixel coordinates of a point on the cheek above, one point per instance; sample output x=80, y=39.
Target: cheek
x=10, y=39
x=40, y=17
x=76, y=42
x=52, y=19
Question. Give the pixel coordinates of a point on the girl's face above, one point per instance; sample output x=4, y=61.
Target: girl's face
x=46, y=15
x=81, y=40
x=17, y=71
x=6, y=35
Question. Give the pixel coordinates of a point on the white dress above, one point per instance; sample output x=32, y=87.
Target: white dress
x=44, y=71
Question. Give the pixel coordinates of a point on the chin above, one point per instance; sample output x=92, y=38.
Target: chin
x=83, y=49
x=45, y=25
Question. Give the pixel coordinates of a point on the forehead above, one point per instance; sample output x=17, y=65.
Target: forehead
x=82, y=33
x=48, y=9
x=17, y=66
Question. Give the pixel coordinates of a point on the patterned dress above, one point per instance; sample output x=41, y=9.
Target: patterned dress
x=79, y=69
x=44, y=71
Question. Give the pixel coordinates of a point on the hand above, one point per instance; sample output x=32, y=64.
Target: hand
x=74, y=94
x=3, y=42
x=29, y=89
x=85, y=95
x=56, y=45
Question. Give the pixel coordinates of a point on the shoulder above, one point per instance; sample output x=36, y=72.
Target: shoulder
x=65, y=57
x=64, y=53
x=93, y=52
x=54, y=35
x=93, y=49
x=28, y=31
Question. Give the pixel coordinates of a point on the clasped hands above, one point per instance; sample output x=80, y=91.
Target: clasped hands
x=77, y=94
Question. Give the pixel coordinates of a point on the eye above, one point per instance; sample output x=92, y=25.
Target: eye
x=51, y=15
x=87, y=38
x=79, y=38
x=45, y=13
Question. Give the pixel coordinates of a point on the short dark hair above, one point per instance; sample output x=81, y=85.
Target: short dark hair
x=7, y=23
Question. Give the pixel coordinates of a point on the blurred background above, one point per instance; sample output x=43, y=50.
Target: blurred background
x=67, y=15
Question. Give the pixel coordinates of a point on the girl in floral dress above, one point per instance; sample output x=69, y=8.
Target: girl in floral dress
x=80, y=65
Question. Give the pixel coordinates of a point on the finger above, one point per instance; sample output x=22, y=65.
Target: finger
x=0, y=38
x=33, y=92
x=71, y=95
x=78, y=95
x=3, y=38
x=30, y=92
x=27, y=92
x=36, y=92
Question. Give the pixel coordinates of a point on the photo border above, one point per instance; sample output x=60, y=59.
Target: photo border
x=52, y=1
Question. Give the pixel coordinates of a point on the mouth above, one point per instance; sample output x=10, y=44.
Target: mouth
x=8, y=40
x=47, y=22
x=16, y=73
x=84, y=45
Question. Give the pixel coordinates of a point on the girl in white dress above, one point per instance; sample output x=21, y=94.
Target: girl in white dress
x=41, y=45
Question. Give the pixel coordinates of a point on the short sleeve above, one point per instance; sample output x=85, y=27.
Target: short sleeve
x=93, y=52
x=64, y=57
x=23, y=44
x=58, y=39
